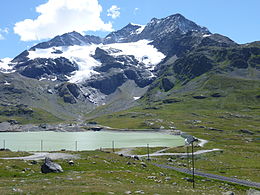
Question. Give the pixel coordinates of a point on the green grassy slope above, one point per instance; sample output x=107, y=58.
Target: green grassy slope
x=230, y=122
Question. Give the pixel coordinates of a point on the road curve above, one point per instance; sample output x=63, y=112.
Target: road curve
x=212, y=176
x=177, y=154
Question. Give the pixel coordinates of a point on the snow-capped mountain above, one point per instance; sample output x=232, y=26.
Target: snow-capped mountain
x=68, y=39
x=126, y=34
x=116, y=69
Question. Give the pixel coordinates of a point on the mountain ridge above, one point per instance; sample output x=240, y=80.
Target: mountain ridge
x=152, y=60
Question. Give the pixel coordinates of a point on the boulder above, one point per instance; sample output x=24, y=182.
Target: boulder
x=50, y=167
x=199, y=96
x=246, y=131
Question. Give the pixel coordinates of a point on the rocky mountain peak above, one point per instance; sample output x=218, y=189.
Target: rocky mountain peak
x=68, y=39
x=126, y=34
x=158, y=28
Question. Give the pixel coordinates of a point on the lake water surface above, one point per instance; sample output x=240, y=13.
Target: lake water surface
x=89, y=140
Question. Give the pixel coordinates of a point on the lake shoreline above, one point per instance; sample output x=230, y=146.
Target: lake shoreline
x=6, y=127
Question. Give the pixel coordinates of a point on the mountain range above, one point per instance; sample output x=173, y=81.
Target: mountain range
x=72, y=74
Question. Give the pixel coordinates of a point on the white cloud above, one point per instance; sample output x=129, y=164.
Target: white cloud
x=113, y=11
x=136, y=10
x=2, y=32
x=62, y=16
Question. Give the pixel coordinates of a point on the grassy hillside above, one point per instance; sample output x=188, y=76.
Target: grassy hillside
x=223, y=110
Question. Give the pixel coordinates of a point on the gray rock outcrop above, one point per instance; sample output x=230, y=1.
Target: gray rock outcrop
x=50, y=167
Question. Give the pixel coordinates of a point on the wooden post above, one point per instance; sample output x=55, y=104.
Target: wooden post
x=4, y=143
x=76, y=145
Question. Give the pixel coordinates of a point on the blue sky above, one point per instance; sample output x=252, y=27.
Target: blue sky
x=237, y=19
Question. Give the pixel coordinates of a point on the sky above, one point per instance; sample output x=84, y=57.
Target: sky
x=23, y=23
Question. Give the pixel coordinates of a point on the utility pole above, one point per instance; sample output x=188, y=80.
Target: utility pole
x=113, y=146
x=41, y=145
x=188, y=163
x=148, y=155
x=76, y=145
x=193, y=178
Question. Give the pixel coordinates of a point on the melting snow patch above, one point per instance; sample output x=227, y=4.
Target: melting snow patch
x=81, y=55
x=146, y=54
x=5, y=65
x=206, y=35
x=136, y=98
x=6, y=83
x=139, y=30
x=141, y=50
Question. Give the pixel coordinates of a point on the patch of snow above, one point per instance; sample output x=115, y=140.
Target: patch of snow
x=141, y=50
x=81, y=55
x=5, y=65
x=6, y=83
x=136, y=98
x=42, y=78
x=206, y=35
x=139, y=30
x=54, y=79
x=146, y=54
x=133, y=24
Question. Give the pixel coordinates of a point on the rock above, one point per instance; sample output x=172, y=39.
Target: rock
x=246, y=131
x=128, y=192
x=151, y=177
x=43, y=126
x=34, y=162
x=199, y=96
x=13, y=122
x=136, y=157
x=50, y=91
x=167, y=84
x=143, y=164
x=214, y=129
x=167, y=178
x=252, y=192
x=139, y=192
x=71, y=162
x=228, y=193
x=172, y=100
x=39, y=67
x=92, y=123
x=96, y=128
x=17, y=190
x=50, y=167
x=188, y=179
x=162, y=174
x=216, y=95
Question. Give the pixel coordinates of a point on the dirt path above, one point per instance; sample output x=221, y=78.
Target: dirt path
x=43, y=155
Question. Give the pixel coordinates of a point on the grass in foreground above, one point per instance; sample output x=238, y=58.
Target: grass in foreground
x=103, y=173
